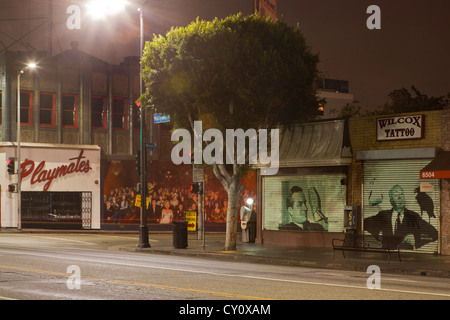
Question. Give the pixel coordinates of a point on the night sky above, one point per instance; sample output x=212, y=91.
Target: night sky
x=412, y=47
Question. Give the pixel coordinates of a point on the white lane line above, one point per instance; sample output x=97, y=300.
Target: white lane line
x=58, y=238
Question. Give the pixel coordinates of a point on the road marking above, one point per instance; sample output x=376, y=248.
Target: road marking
x=69, y=240
x=58, y=238
x=230, y=275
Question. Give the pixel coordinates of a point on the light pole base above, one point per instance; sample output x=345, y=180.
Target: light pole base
x=143, y=237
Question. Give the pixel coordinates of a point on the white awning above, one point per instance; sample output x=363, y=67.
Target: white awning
x=315, y=144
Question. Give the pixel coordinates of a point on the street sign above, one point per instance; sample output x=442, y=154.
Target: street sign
x=161, y=118
x=198, y=173
x=191, y=219
x=150, y=146
x=137, y=202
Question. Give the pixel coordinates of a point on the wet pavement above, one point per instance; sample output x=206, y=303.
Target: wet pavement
x=211, y=247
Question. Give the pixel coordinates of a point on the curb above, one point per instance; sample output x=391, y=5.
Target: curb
x=349, y=266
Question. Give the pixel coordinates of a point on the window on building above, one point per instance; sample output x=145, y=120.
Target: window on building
x=25, y=107
x=69, y=110
x=98, y=112
x=47, y=109
x=119, y=113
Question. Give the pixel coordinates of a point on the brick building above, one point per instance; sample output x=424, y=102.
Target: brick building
x=393, y=158
x=350, y=175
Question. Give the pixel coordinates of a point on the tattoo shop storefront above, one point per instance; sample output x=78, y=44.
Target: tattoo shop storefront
x=304, y=203
x=396, y=202
x=60, y=186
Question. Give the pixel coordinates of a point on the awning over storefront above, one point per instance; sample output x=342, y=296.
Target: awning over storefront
x=322, y=143
x=439, y=168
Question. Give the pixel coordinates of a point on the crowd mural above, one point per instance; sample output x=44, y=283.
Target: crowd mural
x=167, y=204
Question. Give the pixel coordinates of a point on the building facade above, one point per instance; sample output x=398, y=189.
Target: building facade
x=304, y=203
x=73, y=100
x=364, y=185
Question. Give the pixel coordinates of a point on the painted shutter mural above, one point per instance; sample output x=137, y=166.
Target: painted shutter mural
x=288, y=200
x=390, y=184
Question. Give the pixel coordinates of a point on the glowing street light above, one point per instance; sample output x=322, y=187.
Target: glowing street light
x=31, y=65
x=99, y=9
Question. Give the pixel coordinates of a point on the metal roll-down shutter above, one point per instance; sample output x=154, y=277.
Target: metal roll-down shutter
x=387, y=180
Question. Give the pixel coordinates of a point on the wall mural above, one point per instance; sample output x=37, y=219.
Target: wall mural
x=304, y=203
x=169, y=197
x=400, y=226
x=396, y=211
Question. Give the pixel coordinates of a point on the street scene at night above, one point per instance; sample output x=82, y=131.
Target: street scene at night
x=219, y=155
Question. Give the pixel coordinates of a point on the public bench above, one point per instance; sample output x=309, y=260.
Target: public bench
x=365, y=243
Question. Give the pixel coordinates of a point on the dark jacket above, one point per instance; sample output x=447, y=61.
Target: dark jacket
x=380, y=226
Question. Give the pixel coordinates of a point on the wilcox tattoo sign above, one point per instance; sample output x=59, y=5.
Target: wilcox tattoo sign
x=400, y=128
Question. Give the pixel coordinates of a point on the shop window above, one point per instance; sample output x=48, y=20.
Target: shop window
x=59, y=209
x=69, y=110
x=25, y=107
x=119, y=114
x=47, y=109
x=98, y=112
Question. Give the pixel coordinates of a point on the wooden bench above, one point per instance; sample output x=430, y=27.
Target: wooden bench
x=364, y=243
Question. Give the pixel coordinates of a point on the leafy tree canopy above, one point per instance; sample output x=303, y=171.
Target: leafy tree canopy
x=238, y=72
x=400, y=101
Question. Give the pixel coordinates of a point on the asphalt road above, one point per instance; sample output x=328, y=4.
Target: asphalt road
x=92, y=266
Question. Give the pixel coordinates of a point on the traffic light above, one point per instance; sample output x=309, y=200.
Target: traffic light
x=138, y=162
x=197, y=187
x=12, y=188
x=11, y=165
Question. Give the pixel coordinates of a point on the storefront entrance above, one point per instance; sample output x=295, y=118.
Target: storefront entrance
x=397, y=202
x=61, y=210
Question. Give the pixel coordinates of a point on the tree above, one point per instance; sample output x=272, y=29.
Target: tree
x=350, y=110
x=241, y=72
x=401, y=101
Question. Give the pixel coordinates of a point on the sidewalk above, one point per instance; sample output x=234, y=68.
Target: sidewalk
x=212, y=248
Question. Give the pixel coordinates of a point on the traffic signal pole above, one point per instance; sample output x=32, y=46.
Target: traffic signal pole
x=143, y=227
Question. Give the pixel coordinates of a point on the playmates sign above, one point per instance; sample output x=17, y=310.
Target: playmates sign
x=38, y=173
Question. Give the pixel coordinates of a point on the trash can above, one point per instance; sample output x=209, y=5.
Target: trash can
x=180, y=235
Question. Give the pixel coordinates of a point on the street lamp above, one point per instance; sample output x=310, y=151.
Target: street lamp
x=99, y=9
x=143, y=227
x=30, y=65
